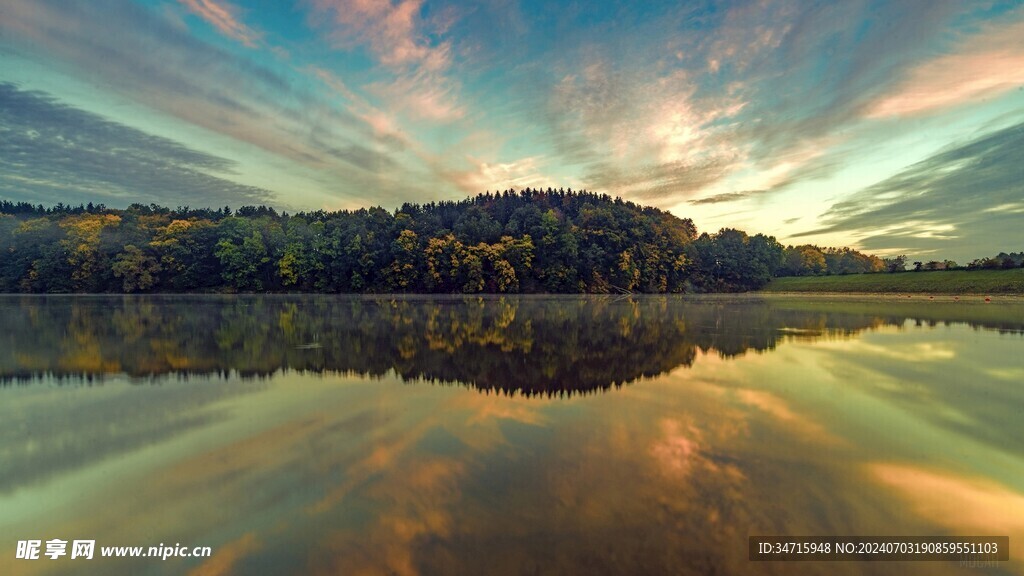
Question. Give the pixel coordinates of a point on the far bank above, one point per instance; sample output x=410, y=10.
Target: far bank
x=926, y=282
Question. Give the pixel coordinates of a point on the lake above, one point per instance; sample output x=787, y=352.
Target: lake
x=536, y=435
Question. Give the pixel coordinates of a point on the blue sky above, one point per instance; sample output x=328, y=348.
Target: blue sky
x=895, y=127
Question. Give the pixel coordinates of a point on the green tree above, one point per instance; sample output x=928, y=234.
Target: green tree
x=137, y=269
x=186, y=252
x=404, y=271
x=242, y=253
x=557, y=254
x=511, y=260
x=896, y=264
x=806, y=260
x=299, y=265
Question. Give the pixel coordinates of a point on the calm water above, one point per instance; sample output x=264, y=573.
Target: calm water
x=332, y=435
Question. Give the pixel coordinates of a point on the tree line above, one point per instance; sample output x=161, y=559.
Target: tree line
x=531, y=241
x=1001, y=261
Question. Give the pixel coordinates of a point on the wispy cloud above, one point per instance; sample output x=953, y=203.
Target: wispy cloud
x=986, y=65
x=484, y=175
x=383, y=124
x=70, y=437
x=661, y=184
x=224, y=17
x=960, y=503
x=641, y=133
x=391, y=30
x=145, y=58
x=764, y=102
x=727, y=197
x=422, y=96
x=141, y=56
x=810, y=84
x=938, y=198
x=408, y=46
x=51, y=150
x=748, y=34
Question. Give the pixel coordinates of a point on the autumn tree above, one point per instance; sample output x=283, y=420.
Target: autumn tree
x=138, y=269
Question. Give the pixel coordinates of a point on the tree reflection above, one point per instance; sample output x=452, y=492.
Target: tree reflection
x=530, y=346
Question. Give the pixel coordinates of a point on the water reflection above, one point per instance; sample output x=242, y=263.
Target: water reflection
x=525, y=345
x=862, y=419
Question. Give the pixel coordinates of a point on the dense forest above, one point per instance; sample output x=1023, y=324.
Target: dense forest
x=531, y=241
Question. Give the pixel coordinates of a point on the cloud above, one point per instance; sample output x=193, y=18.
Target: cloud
x=663, y=105
x=809, y=76
x=727, y=197
x=937, y=200
x=641, y=133
x=483, y=175
x=758, y=88
x=422, y=96
x=657, y=184
x=52, y=150
x=338, y=149
x=223, y=17
x=747, y=34
x=407, y=46
x=987, y=65
x=143, y=57
x=392, y=31
x=383, y=124
x=72, y=431
x=814, y=84
x=962, y=504
x=364, y=158
x=139, y=55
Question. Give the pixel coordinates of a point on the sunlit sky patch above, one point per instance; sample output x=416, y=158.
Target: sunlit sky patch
x=889, y=126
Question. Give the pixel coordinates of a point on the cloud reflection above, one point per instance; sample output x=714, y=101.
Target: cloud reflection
x=317, y=473
x=960, y=504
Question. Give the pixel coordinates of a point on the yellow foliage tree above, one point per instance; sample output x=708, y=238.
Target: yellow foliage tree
x=82, y=241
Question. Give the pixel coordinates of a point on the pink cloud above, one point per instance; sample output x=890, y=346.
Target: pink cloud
x=392, y=31
x=383, y=124
x=778, y=408
x=645, y=134
x=483, y=175
x=223, y=17
x=749, y=31
x=963, y=504
x=987, y=65
x=396, y=34
x=422, y=96
x=678, y=449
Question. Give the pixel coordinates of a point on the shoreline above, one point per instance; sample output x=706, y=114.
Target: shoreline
x=754, y=294
x=905, y=296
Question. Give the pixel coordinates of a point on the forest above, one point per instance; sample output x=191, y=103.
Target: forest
x=529, y=241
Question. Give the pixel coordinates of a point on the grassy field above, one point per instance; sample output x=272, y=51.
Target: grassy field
x=936, y=282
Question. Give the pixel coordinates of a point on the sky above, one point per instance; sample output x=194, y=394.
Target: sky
x=891, y=127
